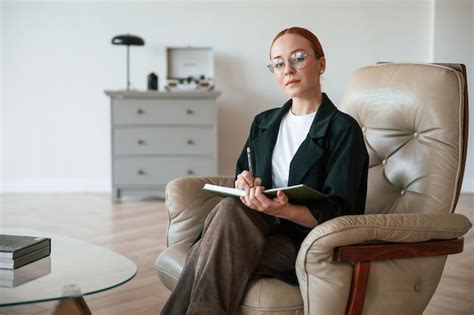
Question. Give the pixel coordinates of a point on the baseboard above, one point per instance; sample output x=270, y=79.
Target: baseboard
x=49, y=185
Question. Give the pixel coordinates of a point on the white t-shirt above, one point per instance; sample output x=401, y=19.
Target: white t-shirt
x=293, y=130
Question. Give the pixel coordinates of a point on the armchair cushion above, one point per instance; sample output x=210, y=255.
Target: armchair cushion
x=170, y=264
x=261, y=296
x=412, y=117
x=188, y=206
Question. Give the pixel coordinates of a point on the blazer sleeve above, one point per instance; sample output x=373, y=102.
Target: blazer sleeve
x=346, y=176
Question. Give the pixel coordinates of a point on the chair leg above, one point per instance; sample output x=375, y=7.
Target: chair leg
x=358, y=288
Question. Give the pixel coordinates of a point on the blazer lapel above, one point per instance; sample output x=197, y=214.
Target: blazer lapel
x=264, y=143
x=313, y=147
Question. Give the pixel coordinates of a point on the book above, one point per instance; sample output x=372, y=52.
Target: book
x=19, y=250
x=10, y=278
x=13, y=263
x=296, y=192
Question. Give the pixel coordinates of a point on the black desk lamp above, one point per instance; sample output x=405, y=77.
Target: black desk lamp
x=128, y=40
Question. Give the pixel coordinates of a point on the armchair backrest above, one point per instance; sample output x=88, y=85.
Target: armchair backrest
x=414, y=120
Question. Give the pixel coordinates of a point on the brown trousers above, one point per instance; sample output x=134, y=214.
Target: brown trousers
x=237, y=244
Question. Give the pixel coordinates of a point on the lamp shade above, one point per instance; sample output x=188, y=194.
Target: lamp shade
x=128, y=40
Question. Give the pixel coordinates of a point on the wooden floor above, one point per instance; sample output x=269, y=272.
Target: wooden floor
x=136, y=229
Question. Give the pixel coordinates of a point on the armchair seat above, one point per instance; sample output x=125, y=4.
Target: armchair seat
x=262, y=296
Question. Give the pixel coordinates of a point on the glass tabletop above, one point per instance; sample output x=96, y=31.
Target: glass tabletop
x=74, y=268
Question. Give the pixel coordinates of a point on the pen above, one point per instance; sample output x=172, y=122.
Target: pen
x=249, y=160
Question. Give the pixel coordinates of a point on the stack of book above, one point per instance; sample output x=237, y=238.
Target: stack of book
x=19, y=250
x=10, y=278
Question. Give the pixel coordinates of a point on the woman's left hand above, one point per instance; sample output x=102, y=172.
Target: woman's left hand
x=255, y=199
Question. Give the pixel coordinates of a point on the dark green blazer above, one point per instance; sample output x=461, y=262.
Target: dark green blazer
x=332, y=159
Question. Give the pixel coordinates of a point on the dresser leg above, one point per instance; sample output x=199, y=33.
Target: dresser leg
x=115, y=195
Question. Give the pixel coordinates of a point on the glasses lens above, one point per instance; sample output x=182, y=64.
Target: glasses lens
x=278, y=65
x=298, y=59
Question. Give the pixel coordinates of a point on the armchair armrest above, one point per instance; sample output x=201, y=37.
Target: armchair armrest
x=383, y=251
x=320, y=274
x=188, y=206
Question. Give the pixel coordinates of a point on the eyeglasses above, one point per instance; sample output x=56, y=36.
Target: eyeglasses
x=297, y=60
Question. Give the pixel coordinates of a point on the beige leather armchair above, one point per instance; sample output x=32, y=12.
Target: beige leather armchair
x=414, y=119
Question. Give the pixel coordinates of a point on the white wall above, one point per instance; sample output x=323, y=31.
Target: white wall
x=449, y=45
x=58, y=61
x=1, y=99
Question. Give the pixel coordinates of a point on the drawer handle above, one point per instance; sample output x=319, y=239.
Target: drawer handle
x=190, y=172
x=141, y=172
x=141, y=142
x=190, y=142
x=139, y=111
x=189, y=111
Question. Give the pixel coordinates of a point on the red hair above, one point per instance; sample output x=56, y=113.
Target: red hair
x=314, y=41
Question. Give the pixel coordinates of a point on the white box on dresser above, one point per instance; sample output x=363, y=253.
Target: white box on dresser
x=159, y=136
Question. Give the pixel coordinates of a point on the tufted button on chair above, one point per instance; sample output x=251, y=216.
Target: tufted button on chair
x=389, y=260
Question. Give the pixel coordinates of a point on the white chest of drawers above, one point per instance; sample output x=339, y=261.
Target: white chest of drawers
x=159, y=136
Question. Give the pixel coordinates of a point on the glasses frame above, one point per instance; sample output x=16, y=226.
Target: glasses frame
x=288, y=61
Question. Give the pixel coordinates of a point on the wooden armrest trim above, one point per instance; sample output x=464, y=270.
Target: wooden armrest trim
x=385, y=251
x=360, y=279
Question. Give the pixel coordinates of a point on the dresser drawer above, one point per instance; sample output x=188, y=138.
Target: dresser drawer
x=164, y=140
x=179, y=111
x=159, y=171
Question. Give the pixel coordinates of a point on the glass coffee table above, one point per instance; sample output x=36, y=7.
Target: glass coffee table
x=74, y=269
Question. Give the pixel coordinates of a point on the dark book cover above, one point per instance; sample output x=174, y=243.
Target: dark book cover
x=15, y=246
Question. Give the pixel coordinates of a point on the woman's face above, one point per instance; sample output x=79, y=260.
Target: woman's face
x=293, y=81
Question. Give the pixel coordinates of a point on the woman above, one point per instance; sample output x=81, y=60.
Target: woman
x=306, y=141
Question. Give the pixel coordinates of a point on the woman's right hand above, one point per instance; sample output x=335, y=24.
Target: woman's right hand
x=246, y=180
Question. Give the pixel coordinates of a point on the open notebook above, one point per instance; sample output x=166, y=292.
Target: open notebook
x=296, y=192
